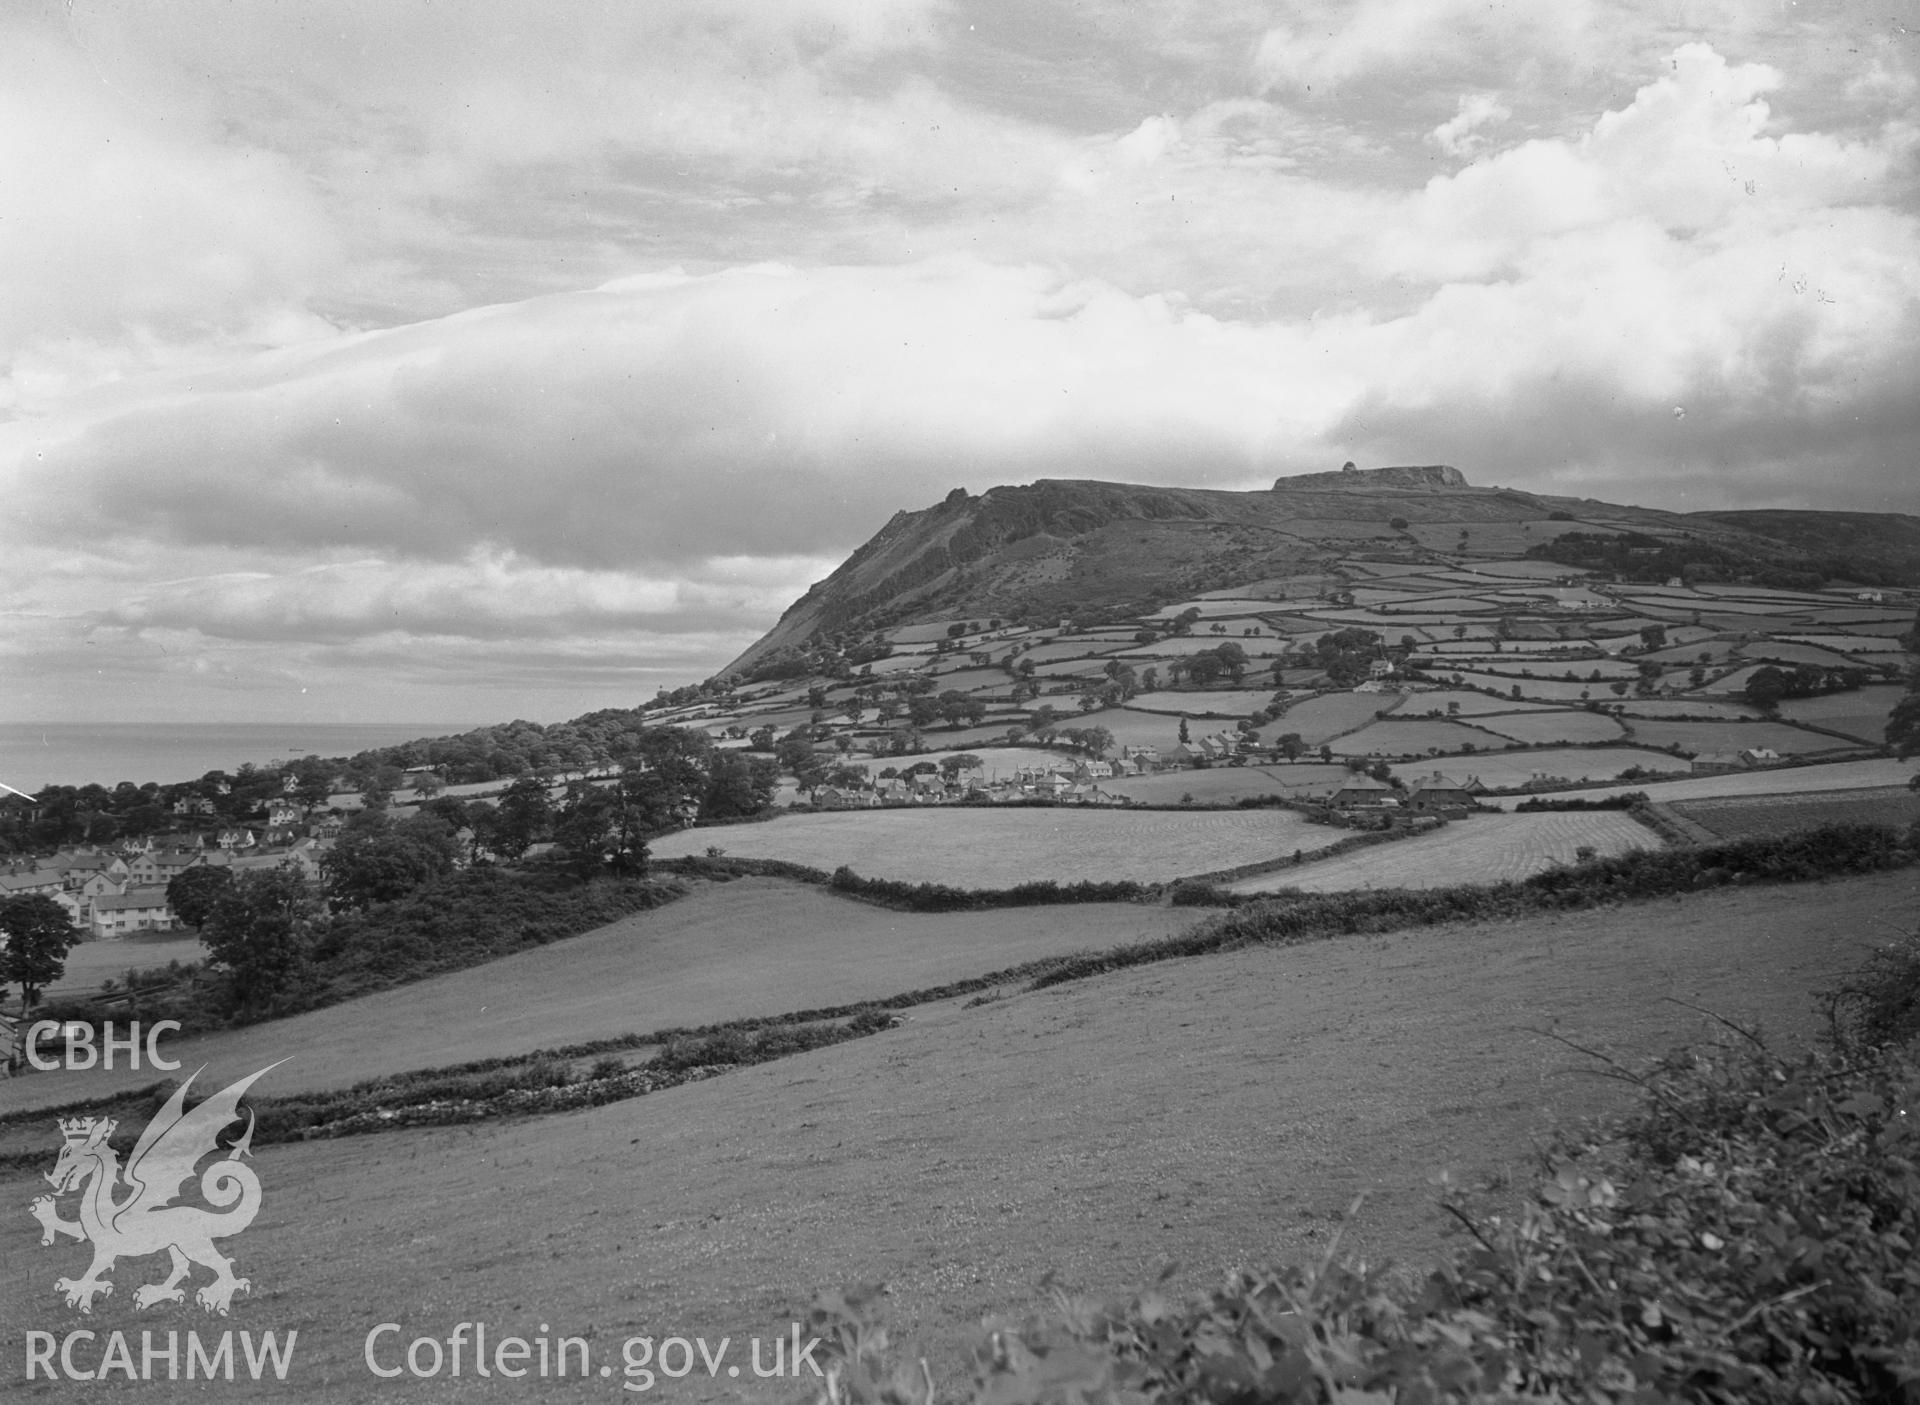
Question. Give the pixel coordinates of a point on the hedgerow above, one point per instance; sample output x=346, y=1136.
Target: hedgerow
x=1283, y=918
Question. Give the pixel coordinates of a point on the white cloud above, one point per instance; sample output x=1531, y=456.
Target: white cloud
x=1460, y=134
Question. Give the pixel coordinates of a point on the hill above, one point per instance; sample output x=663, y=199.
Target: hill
x=1200, y=1113
x=1057, y=546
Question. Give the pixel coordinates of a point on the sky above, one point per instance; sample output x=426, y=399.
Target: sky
x=390, y=359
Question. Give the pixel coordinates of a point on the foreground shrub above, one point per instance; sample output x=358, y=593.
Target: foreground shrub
x=1745, y=1236
x=1880, y=1003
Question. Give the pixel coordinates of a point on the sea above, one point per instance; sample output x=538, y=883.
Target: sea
x=36, y=754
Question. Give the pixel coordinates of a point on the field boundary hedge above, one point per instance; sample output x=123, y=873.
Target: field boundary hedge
x=1831, y=851
x=1365, y=839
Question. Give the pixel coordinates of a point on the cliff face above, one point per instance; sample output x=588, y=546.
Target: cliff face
x=1068, y=546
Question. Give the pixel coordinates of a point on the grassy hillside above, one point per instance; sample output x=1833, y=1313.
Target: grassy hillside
x=751, y=947
x=1204, y=1112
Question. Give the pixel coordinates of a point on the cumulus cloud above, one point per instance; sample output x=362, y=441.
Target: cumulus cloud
x=1459, y=135
x=764, y=411
x=562, y=356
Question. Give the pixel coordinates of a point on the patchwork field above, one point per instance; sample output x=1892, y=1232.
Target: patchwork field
x=1772, y=815
x=1731, y=736
x=1542, y=728
x=1498, y=770
x=1861, y=714
x=1552, y=689
x=997, y=847
x=1482, y=849
x=1227, y=703
x=1409, y=737
x=756, y=946
x=1222, y=785
x=1319, y=719
x=1795, y=780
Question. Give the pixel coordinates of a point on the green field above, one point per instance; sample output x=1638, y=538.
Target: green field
x=1222, y=785
x=1498, y=770
x=1794, y=780
x=1861, y=714
x=1773, y=815
x=998, y=846
x=1537, y=728
x=1411, y=737
x=756, y=946
x=1480, y=849
x=1322, y=718
x=1731, y=736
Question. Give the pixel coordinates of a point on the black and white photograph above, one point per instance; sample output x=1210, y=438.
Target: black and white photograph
x=960, y=702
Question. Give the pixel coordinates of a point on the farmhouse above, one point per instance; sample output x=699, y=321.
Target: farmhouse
x=1362, y=792
x=1709, y=763
x=1441, y=798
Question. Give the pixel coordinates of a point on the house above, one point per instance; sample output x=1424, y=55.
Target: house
x=160, y=867
x=35, y=881
x=1429, y=798
x=193, y=805
x=281, y=813
x=1360, y=792
x=1713, y=762
x=1380, y=668
x=1759, y=755
x=1871, y=597
x=236, y=838
x=136, y=910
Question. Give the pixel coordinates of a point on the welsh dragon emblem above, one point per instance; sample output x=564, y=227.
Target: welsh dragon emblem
x=144, y=1220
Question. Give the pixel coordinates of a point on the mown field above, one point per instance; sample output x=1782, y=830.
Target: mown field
x=1732, y=736
x=1745, y=817
x=1861, y=714
x=1204, y=1113
x=998, y=847
x=1536, y=728
x=1794, y=780
x=1222, y=785
x=1497, y=770
x=1410, y=737
x=756, y=946
x=1481, y=849
x=1319, y=719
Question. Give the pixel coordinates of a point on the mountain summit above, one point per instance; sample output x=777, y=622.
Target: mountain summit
x=1060, y=547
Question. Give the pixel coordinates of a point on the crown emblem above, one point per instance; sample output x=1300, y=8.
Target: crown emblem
x=79, y=1129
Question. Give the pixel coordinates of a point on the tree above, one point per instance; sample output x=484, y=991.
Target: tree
x=38, y=937
x=1292, y=746
x=523, y=817
x=1653, y=636
x=261, y=932
x=312, y=781
x=193, y=893
x=1185, y=736
x=1766, y=686
x=378, y=859
x=739, y=787
x=952, y=766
